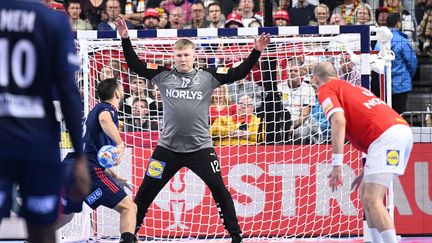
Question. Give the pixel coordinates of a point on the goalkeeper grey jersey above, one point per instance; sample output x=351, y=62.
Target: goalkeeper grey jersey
x=186, y=101
x=186, y=98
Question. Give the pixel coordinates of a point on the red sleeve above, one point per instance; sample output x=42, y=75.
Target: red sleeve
x=327, y=96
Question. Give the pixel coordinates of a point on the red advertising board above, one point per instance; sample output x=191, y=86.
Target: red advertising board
x=413, y=193
x=283, y=190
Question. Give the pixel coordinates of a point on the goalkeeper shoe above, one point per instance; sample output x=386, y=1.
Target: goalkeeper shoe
x=236, y=238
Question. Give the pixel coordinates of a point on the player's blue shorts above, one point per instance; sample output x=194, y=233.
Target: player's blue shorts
x=39, y=186
x=105, y=189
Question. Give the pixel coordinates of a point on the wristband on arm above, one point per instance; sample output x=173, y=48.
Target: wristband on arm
x=337, y=159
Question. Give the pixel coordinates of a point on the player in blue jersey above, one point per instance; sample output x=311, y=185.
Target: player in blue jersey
x=101, y=128
x=37, y=59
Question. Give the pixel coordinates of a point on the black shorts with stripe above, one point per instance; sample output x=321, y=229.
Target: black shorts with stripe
x=105, y=189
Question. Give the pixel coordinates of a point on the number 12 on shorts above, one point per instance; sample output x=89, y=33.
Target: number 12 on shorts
x=215, y=166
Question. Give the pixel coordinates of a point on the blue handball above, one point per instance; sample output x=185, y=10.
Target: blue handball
x=106, y=156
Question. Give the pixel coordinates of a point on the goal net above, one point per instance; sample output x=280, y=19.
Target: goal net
x=270, y=134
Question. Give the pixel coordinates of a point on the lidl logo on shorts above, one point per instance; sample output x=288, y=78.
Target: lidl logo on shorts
x=393, y=157
x=94, y=196
x=155, y=168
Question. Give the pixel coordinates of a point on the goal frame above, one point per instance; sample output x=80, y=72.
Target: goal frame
x=83, y=38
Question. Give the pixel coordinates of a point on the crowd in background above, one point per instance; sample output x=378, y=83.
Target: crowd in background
x=178, y=14
x=235, y=113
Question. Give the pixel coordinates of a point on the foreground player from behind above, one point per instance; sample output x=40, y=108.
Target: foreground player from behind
x=185, y=140
x=373, y=128
x=101, y=128
x=37, y=58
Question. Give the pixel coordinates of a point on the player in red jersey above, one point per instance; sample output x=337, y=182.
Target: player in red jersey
x=373, y=128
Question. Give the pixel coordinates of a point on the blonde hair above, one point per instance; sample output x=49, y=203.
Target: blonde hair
x=368, y=10
x=397, y=8
x=182, y=44
x=325, y=7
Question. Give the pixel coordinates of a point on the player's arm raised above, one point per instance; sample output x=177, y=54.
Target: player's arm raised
x=146, y=70
x=338, y=125
x=228, y=75
x=110, y=129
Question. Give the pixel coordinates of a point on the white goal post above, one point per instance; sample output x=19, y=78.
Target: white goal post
x=278, y=182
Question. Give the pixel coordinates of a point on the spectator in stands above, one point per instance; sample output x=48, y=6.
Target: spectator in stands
x=163, y=18
x=93, y=13
x=134, y=12
x=302, y=13
x=348, y=70
x=245, y=87
x=373, y=4
x=244, y=128
x=140, y=121
x=214, y=11
x=74, y=11
x=153, y=3
x=381, y=15
x=138, y=89
x=403, y=66
x=322, y=15
x=113, y=11
x=331, y=4
x=151, y=19
x=176, y=18
x=363, y=15
x=313, y=2
x=247, y=12
x=297, y=98
x=346, y=10
x=184, y=5
x=119, y=70
x=255, y=23
x=422, y=7
x=220, y=104
x=408, y=26
x=424, y=29
x=198, y=16
x=105, y=72
x=281, y=4
x=336, y=19
x=233, y=21
x=321, y=123
x=281, y=18
x=236, y=9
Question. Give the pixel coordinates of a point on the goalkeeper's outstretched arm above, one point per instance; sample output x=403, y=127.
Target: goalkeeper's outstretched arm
x=146, y=70
x=228, y=75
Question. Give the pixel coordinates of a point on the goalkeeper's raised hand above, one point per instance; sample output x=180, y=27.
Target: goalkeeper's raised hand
x=121, y=27
x=262, y=41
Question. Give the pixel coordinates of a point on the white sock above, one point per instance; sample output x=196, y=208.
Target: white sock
x=376, y=237
x=389, y=236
